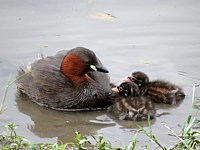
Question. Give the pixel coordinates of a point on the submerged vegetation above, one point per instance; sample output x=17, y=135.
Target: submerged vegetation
x=2, y=106
x=189, y=139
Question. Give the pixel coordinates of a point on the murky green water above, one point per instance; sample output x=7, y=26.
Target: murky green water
x=125, y=35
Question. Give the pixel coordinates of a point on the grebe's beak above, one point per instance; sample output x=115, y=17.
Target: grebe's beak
x=115, y=90
x=99, y=68
x=126, y=79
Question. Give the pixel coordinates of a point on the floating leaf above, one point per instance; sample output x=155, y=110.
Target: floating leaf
x=103, y=16
x=145, y=61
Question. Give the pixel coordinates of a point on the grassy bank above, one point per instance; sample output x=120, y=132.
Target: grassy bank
x=189, y=139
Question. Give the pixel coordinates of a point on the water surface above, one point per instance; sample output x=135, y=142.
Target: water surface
x=161, y=38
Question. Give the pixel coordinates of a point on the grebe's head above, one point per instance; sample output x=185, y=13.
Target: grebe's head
x=78, y=62
x=140, y=78
x=127, y=89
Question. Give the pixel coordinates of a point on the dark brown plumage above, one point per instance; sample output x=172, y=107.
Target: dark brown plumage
x=131, y=106
x=159, y=91
x=69, y=80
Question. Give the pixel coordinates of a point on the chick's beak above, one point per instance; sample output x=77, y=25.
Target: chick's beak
x=126, y=79
x=115, y=90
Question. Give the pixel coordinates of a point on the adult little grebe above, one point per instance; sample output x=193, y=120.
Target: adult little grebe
x=69, y=80
x=131, y=106
x=159, y=91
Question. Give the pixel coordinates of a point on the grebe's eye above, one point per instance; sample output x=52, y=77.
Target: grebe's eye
x=88, y=62
x=120, y=88
x=133, y=79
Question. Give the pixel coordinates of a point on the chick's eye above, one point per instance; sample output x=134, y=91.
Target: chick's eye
x=120, y=88
x=133, y=79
